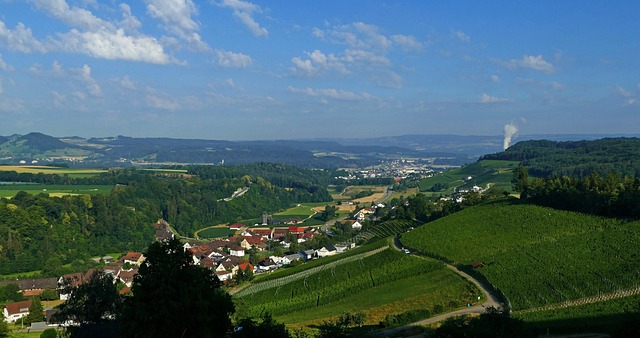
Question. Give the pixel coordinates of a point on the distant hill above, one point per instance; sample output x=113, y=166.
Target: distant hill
x=575, y=158
x=43, y=142
x=3, y=139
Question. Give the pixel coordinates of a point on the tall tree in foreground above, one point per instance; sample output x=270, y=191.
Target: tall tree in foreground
x=96, y=301
x=174, y=298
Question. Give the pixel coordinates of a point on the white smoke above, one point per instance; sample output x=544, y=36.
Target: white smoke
x=510, y=131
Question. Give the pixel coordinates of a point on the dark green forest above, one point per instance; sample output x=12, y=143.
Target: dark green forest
x=43, y=232
x=575, y=158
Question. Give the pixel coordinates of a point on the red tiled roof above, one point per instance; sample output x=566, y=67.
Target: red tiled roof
x=132, y=256
x=18, y=307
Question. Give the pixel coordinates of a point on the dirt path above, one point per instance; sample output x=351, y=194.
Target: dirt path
x=491, y=301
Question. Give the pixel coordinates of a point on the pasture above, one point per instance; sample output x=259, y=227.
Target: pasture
x=536, y=256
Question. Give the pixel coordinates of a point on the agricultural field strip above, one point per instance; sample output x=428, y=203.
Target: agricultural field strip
x=303, y=274
x=635, y=291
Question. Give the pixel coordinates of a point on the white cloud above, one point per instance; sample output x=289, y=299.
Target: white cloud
x=357, y=35
x=71, y=15
x=495, y=78
x=460, y=35
x=114, y=46
x=486, y=99
x=331, y=93
x=407, y=42
x=20, y=39
x=92, y=85
x=129, y=22
x=557, y=85
x=364, y=56
x=176, y=16
x=4, y=65
x=631, y=98
x=1, y=88
x=125, y=82
x=243, y=11
x=231, y=59
x=59, y=100
x=390, y=80
x=318, y=62
x=531, y=62
x=155, y=101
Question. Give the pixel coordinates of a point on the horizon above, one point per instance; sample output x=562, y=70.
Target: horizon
x=253, y=70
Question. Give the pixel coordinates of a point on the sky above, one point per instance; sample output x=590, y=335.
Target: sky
x=291, y=69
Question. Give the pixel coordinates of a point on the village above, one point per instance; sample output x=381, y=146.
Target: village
x=234, y=260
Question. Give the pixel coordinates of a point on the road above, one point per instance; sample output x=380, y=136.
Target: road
x=491, y=301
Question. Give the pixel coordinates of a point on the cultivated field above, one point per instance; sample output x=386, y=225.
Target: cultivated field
x=387, y=282
x=537, y=256
x=72, y=172
x=10, y=190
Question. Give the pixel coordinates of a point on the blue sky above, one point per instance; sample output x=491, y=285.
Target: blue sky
x=241, y=70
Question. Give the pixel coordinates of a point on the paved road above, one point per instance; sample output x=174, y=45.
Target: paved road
x=491, y=301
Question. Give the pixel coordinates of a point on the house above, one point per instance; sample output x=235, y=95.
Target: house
x=355, y=224
x=236, y=226
x=294, y=257
x=308, y=254
x=266, y=265
x=72, y=281
x=33, y=287
x=133, y=258
x=325, y=251
x=296, y=230
x=14, y=311
x=246, y=267
x=342, y=247
x=236, y=250
x=126, y=276
x=223, y=275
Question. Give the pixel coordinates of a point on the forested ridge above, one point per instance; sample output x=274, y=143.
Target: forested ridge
x=575, y=158
x=43, y=232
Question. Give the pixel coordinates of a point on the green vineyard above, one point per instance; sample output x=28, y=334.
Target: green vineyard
x=536, y=256
x=368, y=281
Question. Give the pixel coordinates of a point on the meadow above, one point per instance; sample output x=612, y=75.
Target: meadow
x=71, y=172
x=498, y=173
x=536, y=256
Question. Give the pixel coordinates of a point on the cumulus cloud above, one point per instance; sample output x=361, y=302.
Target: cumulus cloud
x=364, y=56
x=407, y=42
x=114, y=46
x=176, y=17
x=20, y=39
x=630, y=97
x=331, y=93
x=318, y=62
x=486, y=99
x=4, y=65
x=72, y=75
x=126, y=83
x=89, y=35
x=537, y=63
x=460, y=35
x=358, y=35
x=231, y=59
x=244, y=11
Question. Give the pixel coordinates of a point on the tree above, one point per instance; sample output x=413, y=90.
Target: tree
x=520, y=181
x=49, y=333
x=174, y=298
x=4, y=327
x=35, y=312
x=268, y=327
x=96, y=301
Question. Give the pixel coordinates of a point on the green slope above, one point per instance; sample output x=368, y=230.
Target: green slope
x=536, y=256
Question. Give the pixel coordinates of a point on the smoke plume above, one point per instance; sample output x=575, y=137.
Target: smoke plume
x=510, y=130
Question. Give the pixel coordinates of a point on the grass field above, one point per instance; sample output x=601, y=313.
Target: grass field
x=494, y=172
x=10, y=190
x=215, y=233
x=536, y=256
